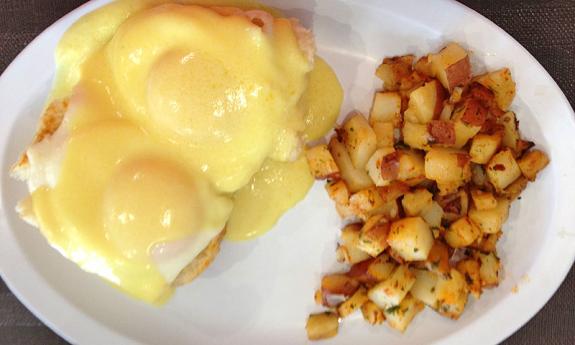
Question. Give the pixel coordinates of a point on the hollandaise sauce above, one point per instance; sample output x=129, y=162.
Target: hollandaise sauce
x=182, y=120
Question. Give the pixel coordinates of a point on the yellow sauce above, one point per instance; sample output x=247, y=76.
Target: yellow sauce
x=138, y=170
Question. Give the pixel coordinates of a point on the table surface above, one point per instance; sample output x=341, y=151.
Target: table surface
x=545, y=28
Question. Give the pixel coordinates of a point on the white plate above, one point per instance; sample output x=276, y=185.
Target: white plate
x=262, y=291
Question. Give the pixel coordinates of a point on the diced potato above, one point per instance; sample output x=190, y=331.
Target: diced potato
x=373, y=235
x=353, y=303
x=423, y=66
x=350, y=249
x=391, y=292
x=432, y=215
x=510, y=130
x=386, y=108
x=411, y=238
x=374, y=164
x=438, y=258
x=384, y=133
x=400, y=316
x=463, y=132
x=355, y=179
x=318, y=297
x=483, y=147
x=321, y=163
x=451, y=66
x=515, y=189
x=393, y=70
x=417, y=201
x=345, y=211
x=489, y=271
x=393, y=191
x=502, y=85
x=425, y=103
x=533, y=162
x=462, y=233
x=411, y=168
x=502, y=169
x=487, y=243
x=359, y=140
x=416, y=135
x=449, y=168
x=372, y=313
x=424, y=287
x=452, y=291
x=381, y=268
x=322, y=326
x=483, y=200
x=338, y=284
x=338, y=192
x=366, y=203
x=490, y=221
x=359, y=272
x=470, y=270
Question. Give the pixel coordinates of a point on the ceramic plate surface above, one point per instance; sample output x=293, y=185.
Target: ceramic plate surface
x=261, y=292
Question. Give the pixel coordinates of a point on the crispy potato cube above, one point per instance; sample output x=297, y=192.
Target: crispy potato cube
x=411, y=168
x=451, y=66
x=359, y=140
x=381, y=268
x=533, y=162
x=449, y=168
x=393, y=70
x=515, y=189
x=391, y=291
x=338, y=284
x=321, y=163
x=322, y=326
x=349, y=251
x=438, y=258
x=484, y=146
x=502, y=85
x=490, y=221
x=483, y=200
x=345, y=211
x=425, y=103
x=452, y=292
x=462, y=233
x=355, y=179
x=489, y=271
x=366, y=203
x=470, y=270
x=353, y=303
x=411, y=238
x=400, y=316
x=487, y=243
x=424, y=287
x=338, y=192
x=510, y=130
x=372, y=314
x=416, y=135
x=373, y=235
x=417, y=201
x=432, y=215
x=423, y=66
x=359, y=272
x=386, y=108
x=384, y=133
x=502, y=169
x=374, y=166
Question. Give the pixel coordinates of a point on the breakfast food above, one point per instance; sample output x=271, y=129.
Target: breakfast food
x=167, y=127
x=424, y=185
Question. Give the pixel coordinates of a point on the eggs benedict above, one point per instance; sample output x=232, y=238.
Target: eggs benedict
x=167, y=124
